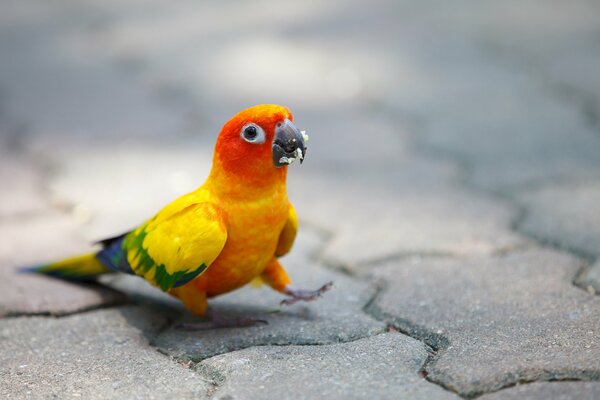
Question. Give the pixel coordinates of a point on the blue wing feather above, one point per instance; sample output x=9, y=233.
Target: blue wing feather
x=113, y=256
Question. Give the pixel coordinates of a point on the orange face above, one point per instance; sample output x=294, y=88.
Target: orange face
x=258, y=143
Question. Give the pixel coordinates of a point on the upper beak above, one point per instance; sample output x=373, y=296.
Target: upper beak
x=289, y=144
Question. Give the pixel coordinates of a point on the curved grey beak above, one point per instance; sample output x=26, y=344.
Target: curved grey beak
x=289, y=144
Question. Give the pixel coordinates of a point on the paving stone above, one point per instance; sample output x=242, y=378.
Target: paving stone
x=548, y=390
x=522, y=136
x=21, y=189
x=52, y=51
x=49, y=236
x=370, y=224
x=140, y=292
x=509, y=127
x=142, y=177
x=24, y=294
x=380, y=367
x=561, y=46
x=497, y=321
x=26, y=242
x=374, y=151
x=590, y=278
x=345, y=140
x=97, y=355
x=565, y=214
x=337, y=317
x=217, y=77
x=518, y=137
x=498, y=113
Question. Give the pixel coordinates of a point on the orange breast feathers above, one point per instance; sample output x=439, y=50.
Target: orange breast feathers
x=253, y=238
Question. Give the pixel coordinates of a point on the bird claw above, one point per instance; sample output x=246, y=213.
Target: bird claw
x=304, y=295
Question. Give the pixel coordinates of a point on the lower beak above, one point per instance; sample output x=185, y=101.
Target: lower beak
x=289, y=144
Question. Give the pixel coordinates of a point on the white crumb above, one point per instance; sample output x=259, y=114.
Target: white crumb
x=304, y=136
x=286, y=160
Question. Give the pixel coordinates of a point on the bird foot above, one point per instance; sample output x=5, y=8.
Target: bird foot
x=303, y=294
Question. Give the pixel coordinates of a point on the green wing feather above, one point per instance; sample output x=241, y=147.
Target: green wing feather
x=170, y=252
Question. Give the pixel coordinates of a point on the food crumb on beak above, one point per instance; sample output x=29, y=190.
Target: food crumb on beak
x=287, y=160
x=290, y=160
x=304, y=136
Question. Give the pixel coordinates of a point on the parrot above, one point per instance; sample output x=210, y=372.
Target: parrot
x=227, y=233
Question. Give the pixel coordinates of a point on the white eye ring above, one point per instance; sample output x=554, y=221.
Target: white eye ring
x=253, y=133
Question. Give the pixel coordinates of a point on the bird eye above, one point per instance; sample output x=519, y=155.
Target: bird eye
x=253, y=133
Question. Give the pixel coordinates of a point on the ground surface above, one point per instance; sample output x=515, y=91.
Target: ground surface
x=451, y=191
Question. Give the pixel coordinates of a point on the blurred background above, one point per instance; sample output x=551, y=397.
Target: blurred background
x=432, y=123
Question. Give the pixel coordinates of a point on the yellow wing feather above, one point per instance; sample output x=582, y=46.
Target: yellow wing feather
x=177, y=245
x=189, y=238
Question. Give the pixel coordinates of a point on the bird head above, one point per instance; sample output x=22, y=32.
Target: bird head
x=258, y=144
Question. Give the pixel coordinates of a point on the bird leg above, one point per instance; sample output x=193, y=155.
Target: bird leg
x=196, y=301
x=275, y=276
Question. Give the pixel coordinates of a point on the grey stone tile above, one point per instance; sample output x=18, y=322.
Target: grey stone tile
x=564, y=214
x=480, y=80
x=21, y=188
x=379, y=367
x=336, y=317
x=217, y=79
x=46, y=237
x=590, y=278
x=548, y=390
x=373, y=223
x=523, y=133
x=24, y=294
x=97, y=355
x=53, y=51
x=487, y=107
x=350, y=140
x=561, y=47
x=29, y=241
x=113, y=197
x=497, y=321
x=141, y=292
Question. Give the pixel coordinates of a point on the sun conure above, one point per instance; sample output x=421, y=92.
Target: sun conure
x=224, y=234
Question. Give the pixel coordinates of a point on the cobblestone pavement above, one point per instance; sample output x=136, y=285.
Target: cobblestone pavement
x=451, y=191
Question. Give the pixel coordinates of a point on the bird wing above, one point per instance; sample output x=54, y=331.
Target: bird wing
x=170, y=251
x=288, y=233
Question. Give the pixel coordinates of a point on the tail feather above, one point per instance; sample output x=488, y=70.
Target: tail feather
x=81, y=268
